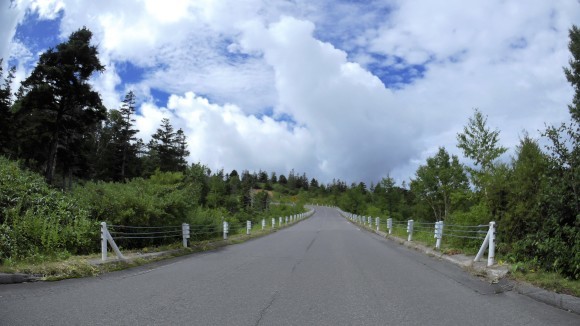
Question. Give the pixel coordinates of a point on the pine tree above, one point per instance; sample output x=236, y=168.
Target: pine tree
x=168, y=149
x=127, y=133
x=181, y=150
x=57, y=104
x=6, y=126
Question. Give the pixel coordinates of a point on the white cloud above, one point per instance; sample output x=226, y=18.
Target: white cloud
x=359, y=128
x=309, y=60
x=47, y=9
x=508, y=60
x=11, y=13
x=225, y=137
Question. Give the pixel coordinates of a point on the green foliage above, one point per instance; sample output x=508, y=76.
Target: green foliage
x=573, y=72
x=437, y=181
x=526, y=184
x=160, y=200
x=5, y=109
x=38, y=220
x=168, y=148
x=58, y=104
x=479, y=143
x=557, y=240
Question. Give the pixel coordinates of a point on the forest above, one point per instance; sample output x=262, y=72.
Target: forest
x=67, y=163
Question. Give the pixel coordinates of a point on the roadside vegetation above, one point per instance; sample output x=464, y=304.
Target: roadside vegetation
x=67, y=163
x=534, y=197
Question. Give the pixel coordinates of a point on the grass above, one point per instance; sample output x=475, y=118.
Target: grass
x=64, y=266
x=547, y=280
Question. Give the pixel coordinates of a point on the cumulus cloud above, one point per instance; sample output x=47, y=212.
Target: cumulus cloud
x=225, y=137
x=349, y=91
x=501, y=57
x=11, y=13
x=359, y=128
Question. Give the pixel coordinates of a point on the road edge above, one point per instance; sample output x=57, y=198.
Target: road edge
x=492, y=274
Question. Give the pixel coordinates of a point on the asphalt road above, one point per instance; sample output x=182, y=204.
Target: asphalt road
x=322, y=271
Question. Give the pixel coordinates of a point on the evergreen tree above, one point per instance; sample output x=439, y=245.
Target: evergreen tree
x=181, y=148
x=560, y=231
x=273, y=178
x=168, y=149
x=57, y=104
x=282, y=180
x=127, y=134
x=6, y=127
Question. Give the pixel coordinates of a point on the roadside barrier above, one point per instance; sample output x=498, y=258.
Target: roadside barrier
x=110, y=234
x=484, y=233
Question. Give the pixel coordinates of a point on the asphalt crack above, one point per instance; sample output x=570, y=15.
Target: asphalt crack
x=263, y=311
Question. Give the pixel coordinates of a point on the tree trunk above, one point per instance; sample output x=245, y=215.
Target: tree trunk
x=51, y=162
x=53, y=150
x=123, y=162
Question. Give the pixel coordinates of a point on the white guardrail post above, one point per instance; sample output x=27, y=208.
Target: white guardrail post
x=106, y=237
x=280, y=221
x=273, y=223
x=438, y=234
x=377, y=222
x=263, y=223
x=226, y=230
x=390, y=225
x=185, y=233
x=489, y=241
x=248, y=227
x=410, y=230
x=491, y=253
x=103, y=241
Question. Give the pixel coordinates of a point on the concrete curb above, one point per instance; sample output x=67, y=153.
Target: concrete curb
x=493, y=274
x=16, y=278
x=558, y=300
x=6, y=278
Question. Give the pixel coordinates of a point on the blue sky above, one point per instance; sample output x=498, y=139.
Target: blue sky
x=354, y=90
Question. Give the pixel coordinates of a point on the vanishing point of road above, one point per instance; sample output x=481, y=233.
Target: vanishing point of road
x=321, y=271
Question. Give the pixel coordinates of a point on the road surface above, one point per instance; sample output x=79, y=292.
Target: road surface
x=322, y=271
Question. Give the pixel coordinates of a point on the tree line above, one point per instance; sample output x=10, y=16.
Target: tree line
x=57, y=124
x=534, y=197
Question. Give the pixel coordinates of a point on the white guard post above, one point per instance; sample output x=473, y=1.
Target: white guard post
x=370, y=221
x=488, y=241
x=263, y=223
x=185, y=233
x=286, y=219
x=438, y=234
x=273, y=223
x=390, y=225
x=410, y=230
x=248, y=227
x=280, y=221
x=226, y=230
x=377, y=223
x=106, y=237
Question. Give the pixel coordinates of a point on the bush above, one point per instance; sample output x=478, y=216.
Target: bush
x=161, y=200
x=38, y=220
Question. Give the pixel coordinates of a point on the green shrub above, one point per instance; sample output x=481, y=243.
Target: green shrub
x=38, y=220
x=161, y=200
